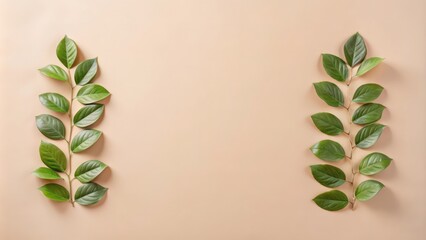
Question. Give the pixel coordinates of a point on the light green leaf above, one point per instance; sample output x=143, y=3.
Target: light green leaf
x=89, y=170
x=333, y=200
x=50, y=126
x=368, y=135
x=330, y=93
x=355, y=50
x=88, y=115
x=55, y=192
x=368, y=189
x=89, y=193
x=327, y=123
x=55, y=102
x=92, y=93
x=86, y=71
x=328, y=150
x=335, y=67
x=374, y=163
x=328, y=175
x=368, y=64
x=66, y=52
x=368, y=113
x=85, y=139
x=52, y=156
x=367, y=93
x=54, y=72
x=46, y=173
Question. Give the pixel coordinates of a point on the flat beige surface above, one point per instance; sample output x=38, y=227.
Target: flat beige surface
x=207, y=131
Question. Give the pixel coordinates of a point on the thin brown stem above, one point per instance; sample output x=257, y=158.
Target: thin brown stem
x=70, y=137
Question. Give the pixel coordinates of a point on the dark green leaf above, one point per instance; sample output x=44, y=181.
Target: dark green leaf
x=55, y=102
x=88, y=115
x=54, y=72
x=368, y=64
x=330, y=93
x=368, y=189
x=367, y=93
x=333, y=200
x=86, y=71
x=355, y=50
x=89, y=193
x=55, y=192
x=85, y=139
x=50, y=126
x=368, y=135
x=92, y=93
x=335, y=67
x=368, y=113
x=328, y=175
x=328, y=150
x=46, y=173
x=89, y=170
x=374, y=163
x=52, y=156
x=66, y=52
x=327, y=123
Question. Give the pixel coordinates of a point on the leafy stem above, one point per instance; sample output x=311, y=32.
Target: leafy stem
x=70, y=136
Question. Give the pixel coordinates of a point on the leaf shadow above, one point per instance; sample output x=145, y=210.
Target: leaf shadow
x=385, y=202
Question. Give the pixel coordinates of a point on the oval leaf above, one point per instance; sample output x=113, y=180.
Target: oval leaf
x=328, y=175
x=374, y=163
x=88, y=115
x=355, y=50
x=368, y=135
x=89, y=193
x=89, y=170
x=85, y=139
x=330, y=93
x=54, y=72
x=367, y=93
x=328, y=150
x=52, y=156
x=50, y=126
x=333, y=200
x=86, y=71
x=368, y=189
x=66, y=51
x=55, y=192
x=327, y=123
x=368, y=64
x=92, y=93
x=335, y=67
x=46, y=173
x=368, y=113
x=55, y=102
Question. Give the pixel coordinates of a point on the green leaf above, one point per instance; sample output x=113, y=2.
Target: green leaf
x=355, y=50
x=368, y=64
x=92, y=93
x=328, y=150
x=46, y=173
x=327, y=123
x=55, y=192
x=89, y=193
x=333, y=200
x=374, y=163
x=88, y=115
x=66, y=52
x=330, y=93
x=368, y=189
x=367, y=93
x=89, y=170
x=368, y=135
x=328, y=175
x=52, y=156
x=54, y=72
x=86, y=71
x=368, y=113
x=55, y=102
x=50, y=126
x=335, y=67
x=85, y=139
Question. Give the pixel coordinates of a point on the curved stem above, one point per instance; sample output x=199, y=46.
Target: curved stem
x=69, y=138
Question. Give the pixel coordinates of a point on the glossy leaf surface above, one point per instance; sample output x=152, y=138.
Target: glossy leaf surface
x=50, y=126
x=52, y=156
x=333, y=200
x=92, y=93
x=46, y=173
x=355, y=50
x=66, y=51
x=367, y=65
x=328, y=175
x=328, y=150
x=55, y=192
x=327, y=123
x=55, y=102
x=88, y=115
x=89, y=193
x=335, y=67
x=368, y=189
x=368, y=113
x=368, y=135
x=89, y=170
x=86, y=71
x=374, y=163
x=367, y=93
x=330, y=93
x=85, y=139
x=54, y=72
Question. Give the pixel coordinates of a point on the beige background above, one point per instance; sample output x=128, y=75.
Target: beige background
x=208, y=129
